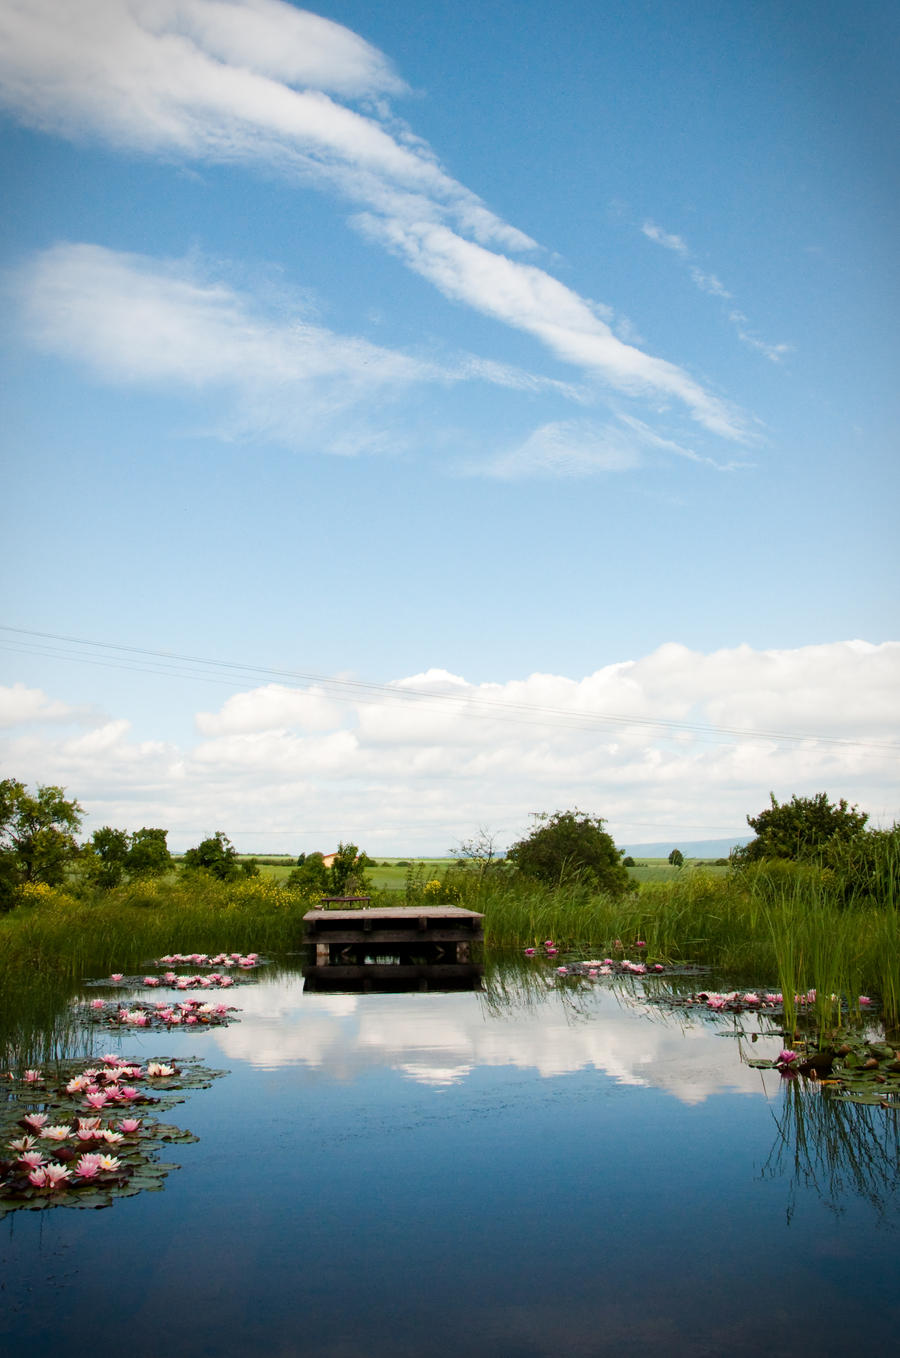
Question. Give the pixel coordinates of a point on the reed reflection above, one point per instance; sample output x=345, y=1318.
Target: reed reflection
x=835, y=1148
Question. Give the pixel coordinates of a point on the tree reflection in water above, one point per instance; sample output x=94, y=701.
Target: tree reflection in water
x=836, y=1148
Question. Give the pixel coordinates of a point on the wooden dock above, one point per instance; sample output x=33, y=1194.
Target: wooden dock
x=409, y=947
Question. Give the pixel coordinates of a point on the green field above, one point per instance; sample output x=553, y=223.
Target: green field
x=391, y=873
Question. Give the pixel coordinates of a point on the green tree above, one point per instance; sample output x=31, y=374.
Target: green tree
x=37, y=835
x=310, y=875
x=105, y=857
x=148, y=853
x=676, y=858
x=800, y=829
x=215, y=855
x=568, y=848
x=347, y=876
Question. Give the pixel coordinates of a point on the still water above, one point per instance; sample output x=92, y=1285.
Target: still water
x=537, y=1168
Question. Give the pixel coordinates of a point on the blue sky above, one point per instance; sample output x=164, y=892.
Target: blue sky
x=491, y=354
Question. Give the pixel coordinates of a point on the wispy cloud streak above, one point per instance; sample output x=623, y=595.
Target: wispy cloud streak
x=709, y=283
x=258, y=82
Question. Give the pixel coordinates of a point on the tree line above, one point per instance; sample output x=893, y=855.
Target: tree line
x=563, y=849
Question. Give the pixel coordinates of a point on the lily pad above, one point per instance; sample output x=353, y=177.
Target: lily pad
x=57, y=1150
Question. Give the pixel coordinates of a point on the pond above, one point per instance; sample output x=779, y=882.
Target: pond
x=538, y=1167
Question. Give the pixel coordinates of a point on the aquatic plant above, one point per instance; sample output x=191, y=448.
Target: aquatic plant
x=82, y=1160
x=188, y=1013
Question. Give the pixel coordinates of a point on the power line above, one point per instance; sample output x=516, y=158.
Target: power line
x=228, y=672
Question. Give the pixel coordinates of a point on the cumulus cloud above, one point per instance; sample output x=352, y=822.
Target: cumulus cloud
x=258, y=82
x=20, y=705
x=676, y=742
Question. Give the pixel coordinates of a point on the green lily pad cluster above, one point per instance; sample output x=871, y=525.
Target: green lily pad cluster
x=62, y=1145
x=851, y=1067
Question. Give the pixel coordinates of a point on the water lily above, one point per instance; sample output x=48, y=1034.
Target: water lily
x=96, y=1004
x=157, y=1070
x=110, y=1162
x=530, y=952
x=112, y=1138
x=151, y=980
x=57, y=1133
x=786, y=1056
x=36, y=1120
x=32, y=1076
x=88, y=1167
x=77, y=1084
x=128, y=1126
x=33, y=1159
x=88, y=1124
x=97, y=1100
x=49, y=1176
x=865, y=999
x=23, y=1143
x=117, y=976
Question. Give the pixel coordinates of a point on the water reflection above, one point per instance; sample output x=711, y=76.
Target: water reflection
x=835, y=1148
x=521, y=1019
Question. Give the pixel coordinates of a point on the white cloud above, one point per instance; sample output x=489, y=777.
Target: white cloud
x=135, y=319
x=20, y=705
x=416, y=765
x=587, y=448
x=215, y=80
x=441, y=1044
x=709, y=283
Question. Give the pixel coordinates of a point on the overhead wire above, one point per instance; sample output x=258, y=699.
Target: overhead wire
x=237, y=674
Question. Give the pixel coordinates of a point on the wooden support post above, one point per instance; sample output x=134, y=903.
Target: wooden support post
x=323, y=954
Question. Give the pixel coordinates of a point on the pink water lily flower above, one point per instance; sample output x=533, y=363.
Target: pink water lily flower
x=117, y=976
x=88, y=1124
x=151, y=980
x=33, y=1159
x=128, y=1126
x=551, y=952
x=112, y=1138
x=97, y=1004
x=32, y=1076
x=35, y=1120
x=97, y=1100
x=88, y=1167
x=785, y=1057
x=50, y=1176
x=530, y=952
x=865, y=999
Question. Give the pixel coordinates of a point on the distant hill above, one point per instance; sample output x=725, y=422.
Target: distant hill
x=691, y=848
